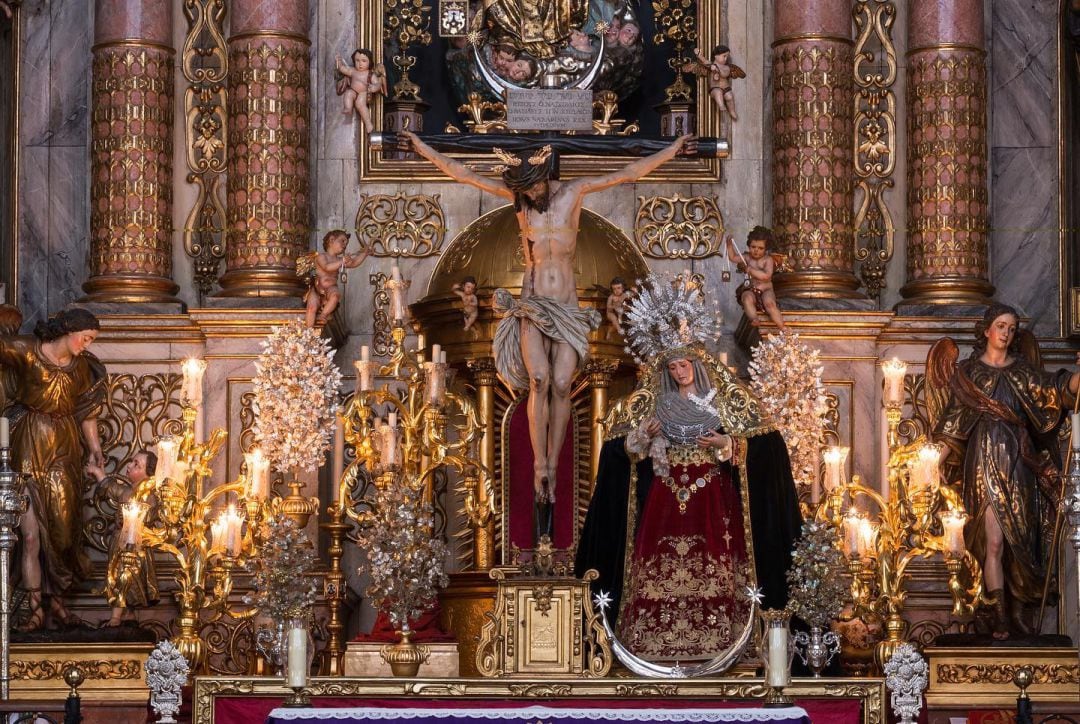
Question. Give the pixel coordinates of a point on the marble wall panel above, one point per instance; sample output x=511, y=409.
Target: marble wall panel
x=34, y=66
x=69, y=214
x=1024, y=185
x=1024, y=236
x=33, y=234
x=71, y=35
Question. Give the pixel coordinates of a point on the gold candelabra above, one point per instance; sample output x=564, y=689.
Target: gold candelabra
x=915, y=516
x=201, y=529
x=428, y=428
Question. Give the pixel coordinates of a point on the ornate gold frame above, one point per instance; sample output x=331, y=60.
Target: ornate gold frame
x=372, y=167
x=870, y=691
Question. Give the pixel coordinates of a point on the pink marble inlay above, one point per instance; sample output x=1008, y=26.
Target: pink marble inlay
x=278, y=16
x=936, y=22
x=133, y=20
x=813, y=17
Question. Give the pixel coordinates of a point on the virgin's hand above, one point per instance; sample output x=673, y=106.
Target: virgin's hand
x=713, y=439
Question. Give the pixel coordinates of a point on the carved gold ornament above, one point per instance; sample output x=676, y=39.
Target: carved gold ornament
x=45, y=669
x=875, y=139
x=205, y=65
x=677, y=227
x=382, y=343
x=1003, y=673
x=402, y=225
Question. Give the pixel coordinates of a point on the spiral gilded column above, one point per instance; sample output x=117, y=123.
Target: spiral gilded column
x=813, y=127
x=131, y=153
x=947, y=205
x=267, y=197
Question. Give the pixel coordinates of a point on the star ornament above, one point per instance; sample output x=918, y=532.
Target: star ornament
x=601, y=27
x=754, y=595
x=602, y=600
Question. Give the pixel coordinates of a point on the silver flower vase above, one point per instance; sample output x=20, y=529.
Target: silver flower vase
x=817, y=648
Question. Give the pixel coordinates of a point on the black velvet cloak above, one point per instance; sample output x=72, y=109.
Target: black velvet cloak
x=775, y=520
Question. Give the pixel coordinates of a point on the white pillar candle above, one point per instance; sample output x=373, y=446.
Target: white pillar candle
x=436, y=350
x=442, y=357
x=779, y=676
x=1076, y=431
x=297, y=667
x=434, y=383
x=5, y=432
x=929, y=456
x=365, y=353
x=420, y=339
x=365, y=375
x=337, y=468
x=894, y=371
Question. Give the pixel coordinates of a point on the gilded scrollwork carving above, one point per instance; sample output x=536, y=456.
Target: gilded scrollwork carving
x=382, y=343
x=402, y=225
x=678, y=227
x=1002, y=673
x=101, y=669
x=205, y=64
x=875, y=138
x=139, y=409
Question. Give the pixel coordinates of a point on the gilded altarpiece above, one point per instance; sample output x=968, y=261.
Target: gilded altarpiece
x=376, y=166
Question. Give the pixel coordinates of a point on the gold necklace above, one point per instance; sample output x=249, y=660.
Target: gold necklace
x=684, y=488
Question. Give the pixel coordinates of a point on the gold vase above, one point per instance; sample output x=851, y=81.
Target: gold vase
x=405, y=657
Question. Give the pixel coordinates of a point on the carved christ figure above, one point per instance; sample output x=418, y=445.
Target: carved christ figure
x=539, y=27
x=543, y=337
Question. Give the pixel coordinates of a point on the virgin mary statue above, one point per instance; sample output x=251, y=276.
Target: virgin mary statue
x=694, y=507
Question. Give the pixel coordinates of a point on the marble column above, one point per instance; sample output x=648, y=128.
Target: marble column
x=946, y=163
x=813, y=126
x=267, y=200
x=131, y=153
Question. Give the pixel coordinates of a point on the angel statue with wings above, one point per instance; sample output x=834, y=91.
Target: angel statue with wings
x=719, y=71
x=1000, y=417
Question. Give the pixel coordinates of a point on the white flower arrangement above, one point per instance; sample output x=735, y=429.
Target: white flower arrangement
x=296, y=397
x=786, y=376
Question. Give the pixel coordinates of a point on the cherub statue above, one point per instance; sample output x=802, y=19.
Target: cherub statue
x=720, y=72
x=616, y=302
x=470, y=305
x=756, y=294
x=360, y=84
x=320, y=270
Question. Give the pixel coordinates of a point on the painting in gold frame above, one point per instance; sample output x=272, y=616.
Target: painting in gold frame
x=373, y=167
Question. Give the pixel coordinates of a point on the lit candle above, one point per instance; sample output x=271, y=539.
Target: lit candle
x=1076, y=431
x=191, y=391
x=834, y=460
x=397, y=294
x=952, y=524
x=867, y=532
x=166, y=455
x=929, y=455
x=226, y=531
x=297, y=668
x=420, y=339
x=134, y=513
x=851, y=533
x=5, y=432
x=894, y=371
x=258, y=471
x=779, y=675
